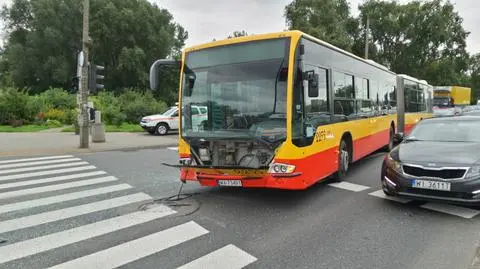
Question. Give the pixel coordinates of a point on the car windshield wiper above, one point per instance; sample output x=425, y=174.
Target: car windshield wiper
x=413, y=139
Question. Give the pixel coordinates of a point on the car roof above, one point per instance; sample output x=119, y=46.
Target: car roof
x=457, y=118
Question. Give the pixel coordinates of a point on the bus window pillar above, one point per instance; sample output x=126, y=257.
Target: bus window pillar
x=400, y=105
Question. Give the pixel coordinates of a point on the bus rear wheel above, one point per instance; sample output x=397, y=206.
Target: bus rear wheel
x=343, y=160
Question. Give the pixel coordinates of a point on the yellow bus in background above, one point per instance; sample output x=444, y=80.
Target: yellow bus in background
x=286, y=110
x=450, y=100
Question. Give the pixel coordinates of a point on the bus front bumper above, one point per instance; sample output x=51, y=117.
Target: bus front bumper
x=292, y=181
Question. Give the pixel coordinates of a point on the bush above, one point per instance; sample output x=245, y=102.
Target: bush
x=56, y=114
x=119, y=119
x=71, y=116
x=54, y=123
x=58, y=99
x=13, y=105
x=137, y=105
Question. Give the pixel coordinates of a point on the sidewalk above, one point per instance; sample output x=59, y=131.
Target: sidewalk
x=21, y=144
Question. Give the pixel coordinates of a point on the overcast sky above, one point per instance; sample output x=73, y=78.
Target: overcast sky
x=208, y=19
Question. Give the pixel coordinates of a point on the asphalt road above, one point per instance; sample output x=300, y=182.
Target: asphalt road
x=108, y=219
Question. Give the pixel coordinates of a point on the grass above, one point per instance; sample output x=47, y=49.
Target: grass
x=23, y=128
x=125, y=127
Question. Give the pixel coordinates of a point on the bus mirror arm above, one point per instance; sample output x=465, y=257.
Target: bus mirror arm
x=155, y=68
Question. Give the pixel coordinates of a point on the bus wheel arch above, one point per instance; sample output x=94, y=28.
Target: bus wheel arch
x=345, y=155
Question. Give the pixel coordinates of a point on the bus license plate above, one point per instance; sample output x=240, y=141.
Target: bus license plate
x=230, y=183
x=431, y=185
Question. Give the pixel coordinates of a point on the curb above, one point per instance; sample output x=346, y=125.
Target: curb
x=30, y=152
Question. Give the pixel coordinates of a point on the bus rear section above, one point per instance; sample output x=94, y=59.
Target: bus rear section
x=284, y=110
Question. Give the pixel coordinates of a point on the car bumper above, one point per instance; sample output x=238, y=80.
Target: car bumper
x=147, y=126
x=461, y=191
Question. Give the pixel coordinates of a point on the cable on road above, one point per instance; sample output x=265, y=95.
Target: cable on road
x=172, y=200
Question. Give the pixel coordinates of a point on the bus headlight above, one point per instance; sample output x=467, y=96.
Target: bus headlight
x=281, y=168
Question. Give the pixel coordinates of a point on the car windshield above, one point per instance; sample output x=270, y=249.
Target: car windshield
x=241, y=88
x=447, y=131
x=169, y=111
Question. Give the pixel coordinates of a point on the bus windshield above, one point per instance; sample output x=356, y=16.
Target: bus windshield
x=242, y=88
x=442, y=102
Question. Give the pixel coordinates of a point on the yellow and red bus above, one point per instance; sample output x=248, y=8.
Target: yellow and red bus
x=286, y=110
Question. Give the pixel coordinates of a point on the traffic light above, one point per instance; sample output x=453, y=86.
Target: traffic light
x=75, y=84
x=94, y=79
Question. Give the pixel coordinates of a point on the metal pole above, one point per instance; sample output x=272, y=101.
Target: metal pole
x=84, y=139
x=367, y=30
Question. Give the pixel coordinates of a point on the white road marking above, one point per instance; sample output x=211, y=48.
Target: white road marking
x=70, y=212
x=349, y=186
x=49, y=180
x=39, y=163
x=35, y=159
x=33, y=168
x=381, y=194
x=49, y=172
x=51, y=241
x=453, y=210
x=227, y=257
x=172, y=148
x=133, y=250
x=56, y=187
x=61, y=198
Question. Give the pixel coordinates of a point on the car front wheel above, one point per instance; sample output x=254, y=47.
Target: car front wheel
x=161, y=129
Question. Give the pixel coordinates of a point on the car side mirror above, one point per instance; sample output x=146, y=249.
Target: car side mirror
x=398, y=138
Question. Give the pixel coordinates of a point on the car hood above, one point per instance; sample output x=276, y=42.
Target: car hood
x=464, y=153
x=155, y=117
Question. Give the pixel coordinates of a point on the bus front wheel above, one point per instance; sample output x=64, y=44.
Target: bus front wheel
x=343, y=160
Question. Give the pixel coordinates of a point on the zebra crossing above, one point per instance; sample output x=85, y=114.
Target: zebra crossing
x=454, y=210
x=54, y=190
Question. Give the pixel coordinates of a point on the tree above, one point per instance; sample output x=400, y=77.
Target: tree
x=425, y=39
x=474, y=71
x=238, y=34
x=44, y=37
x=328, y=20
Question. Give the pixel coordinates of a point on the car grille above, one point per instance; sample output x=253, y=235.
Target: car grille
x=440, y=194
x=451, y=173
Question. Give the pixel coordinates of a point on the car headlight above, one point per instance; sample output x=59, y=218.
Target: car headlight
x=393, y=164
x=473, y=172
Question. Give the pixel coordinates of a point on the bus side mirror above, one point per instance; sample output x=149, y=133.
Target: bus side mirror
x=398, y=138
x=189, y=84
x=155, y=69
x=312, y=79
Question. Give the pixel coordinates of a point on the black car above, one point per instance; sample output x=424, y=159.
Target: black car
x=439, y=160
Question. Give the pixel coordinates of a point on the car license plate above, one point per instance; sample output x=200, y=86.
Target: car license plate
x=234, y=183
x=431, y=185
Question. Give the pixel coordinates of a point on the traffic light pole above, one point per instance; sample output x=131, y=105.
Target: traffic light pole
x=83, y=124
